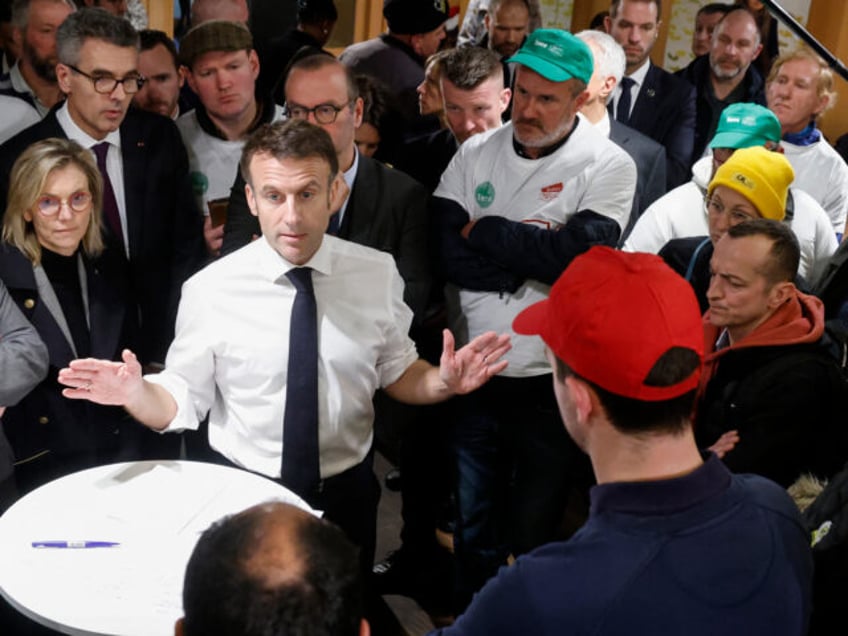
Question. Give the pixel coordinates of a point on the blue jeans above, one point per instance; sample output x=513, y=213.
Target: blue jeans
x=514, y=462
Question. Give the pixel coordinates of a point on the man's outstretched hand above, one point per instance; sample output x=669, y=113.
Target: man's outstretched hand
x=103, y=381
x=469, y=368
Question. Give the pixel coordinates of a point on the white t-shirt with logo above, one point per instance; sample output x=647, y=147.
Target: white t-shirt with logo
x=488, y=178
x=213, y=162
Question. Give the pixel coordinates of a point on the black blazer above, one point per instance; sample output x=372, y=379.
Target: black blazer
x=387, y=210
x=665, y=112
x=164, y=226
x=50, y=433
x=650, y=160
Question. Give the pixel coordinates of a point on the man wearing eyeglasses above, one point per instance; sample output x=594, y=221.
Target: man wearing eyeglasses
x=222, y=68
x=151, y=228
x=385, y=208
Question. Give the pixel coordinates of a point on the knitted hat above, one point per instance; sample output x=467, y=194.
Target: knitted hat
x=214, y=35
x=612, y=315
x=556, y=55
x=411, y=17
x=761, y=176
x=745, y=125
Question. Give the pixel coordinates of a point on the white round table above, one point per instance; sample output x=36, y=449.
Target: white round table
x=155, y=510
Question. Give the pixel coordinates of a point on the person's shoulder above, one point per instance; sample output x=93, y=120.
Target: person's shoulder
x=357, y=252
x=667, y=83
x=767, y=495
x=187, y=121
x=696, y=72
x=142, y=127
x=679, y=252
x=360, y=51
x=587, y=141
x=808, y=208
x=361, y=261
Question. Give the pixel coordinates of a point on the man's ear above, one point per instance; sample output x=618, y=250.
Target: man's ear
x=18, y=37
x=364, y=628
x=780, y=293
x=608, y=88
x=189, y=77
x=358, y=111
x=582, y=398
x=253, y=62
x=63, y=77
x=581, y=99
x=338, y=192
x=503, y=101
x=251, y=199
x=178, y=627
x=757, y=54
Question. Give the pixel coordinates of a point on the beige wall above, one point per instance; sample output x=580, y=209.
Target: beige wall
x=161, y=14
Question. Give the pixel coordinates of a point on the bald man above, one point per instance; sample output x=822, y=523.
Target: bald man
x=273, y=565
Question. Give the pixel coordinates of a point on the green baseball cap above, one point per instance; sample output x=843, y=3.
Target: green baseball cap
x=745, y=125
x=556, y=55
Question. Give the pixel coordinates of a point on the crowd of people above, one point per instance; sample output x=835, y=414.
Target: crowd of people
x=578, y=287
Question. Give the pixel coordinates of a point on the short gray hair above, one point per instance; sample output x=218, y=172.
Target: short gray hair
x=609, y=60
x=96, y=24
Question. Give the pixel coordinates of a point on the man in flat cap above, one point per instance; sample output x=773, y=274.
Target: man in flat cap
x=396, y=58
x=222, y=68
x=514, y=206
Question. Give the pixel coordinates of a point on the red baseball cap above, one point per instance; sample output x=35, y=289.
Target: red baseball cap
x=610, y=317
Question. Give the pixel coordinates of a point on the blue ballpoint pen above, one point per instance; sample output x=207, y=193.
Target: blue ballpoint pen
x=74, y=544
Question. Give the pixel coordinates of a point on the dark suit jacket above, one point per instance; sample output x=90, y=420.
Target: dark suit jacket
x=164, y=226
x=425, y=158
x=387, y=210
x=56, y=434
x=650, y=160
x=665, y=112
x=708, y=108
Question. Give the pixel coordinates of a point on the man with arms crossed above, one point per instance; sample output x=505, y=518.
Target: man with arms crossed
x=515, y=205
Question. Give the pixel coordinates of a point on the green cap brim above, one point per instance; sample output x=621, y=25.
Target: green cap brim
x=737, y=140
x=544, y=68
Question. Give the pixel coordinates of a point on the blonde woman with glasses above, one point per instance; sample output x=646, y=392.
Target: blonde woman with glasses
x=49, y=261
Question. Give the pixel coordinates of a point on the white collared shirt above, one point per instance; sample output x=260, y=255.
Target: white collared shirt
x=638, y=77
x=114, y=161
x=230, y=353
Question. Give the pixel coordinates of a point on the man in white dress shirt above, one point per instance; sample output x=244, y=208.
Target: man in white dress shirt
x=229, y=358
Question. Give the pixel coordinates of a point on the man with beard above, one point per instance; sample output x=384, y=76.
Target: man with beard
x=507, y=24
x=33, y=77
x=545, y=169
x=725, y=75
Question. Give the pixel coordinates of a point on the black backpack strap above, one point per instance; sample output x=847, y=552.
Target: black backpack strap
x=691, y=267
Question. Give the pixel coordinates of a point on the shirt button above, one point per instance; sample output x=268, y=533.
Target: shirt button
x=29, y=303
x=43, y=419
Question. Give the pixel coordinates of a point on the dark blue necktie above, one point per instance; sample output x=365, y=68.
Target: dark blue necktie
x=622, y=113
x=110, y=202
x=300, y=469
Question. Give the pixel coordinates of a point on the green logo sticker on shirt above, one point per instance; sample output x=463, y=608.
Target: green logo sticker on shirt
x=199, y=183
x=485, y=194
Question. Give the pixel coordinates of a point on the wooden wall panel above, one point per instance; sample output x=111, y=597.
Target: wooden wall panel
x=161, y=14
